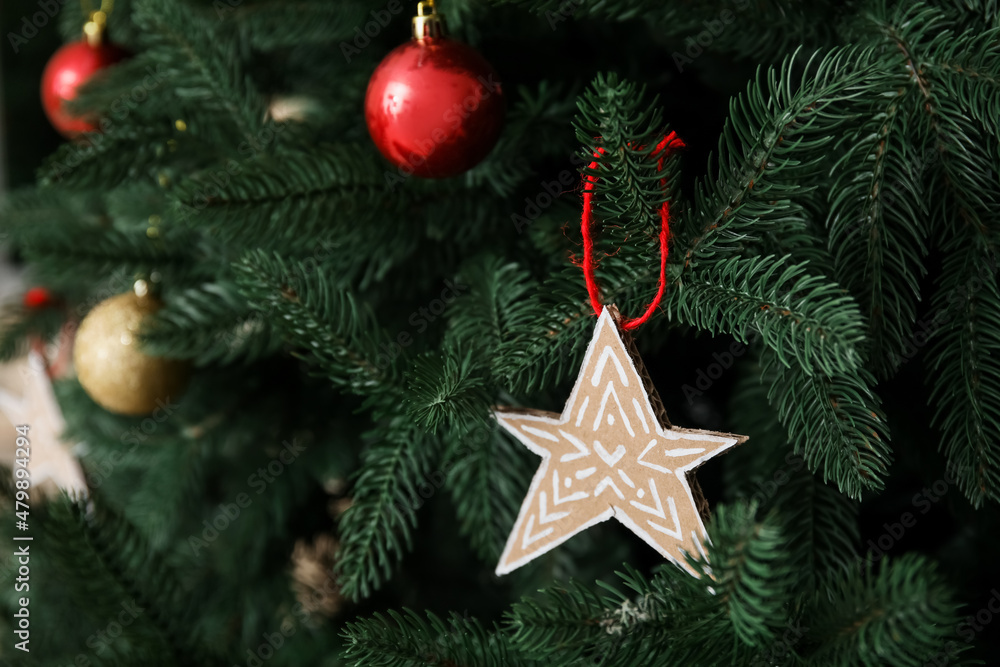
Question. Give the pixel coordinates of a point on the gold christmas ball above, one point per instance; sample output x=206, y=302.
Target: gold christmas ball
x=112, y=368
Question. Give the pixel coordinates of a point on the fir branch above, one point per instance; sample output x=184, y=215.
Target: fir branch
x=376, y=530
x=209, y=324
x=744, y=203
x=329, y=190
x=173, y=478
x=820, y=527
x=762, y=29
x=967, y=68
x=722, y=618
x=877, y=234
x=613, y=116
x=950, y=69
x=749, y=473
x=620, y=131
x=487, y=481
x=121, y=566
x=99, y=163
x=203, y=68
x=497, y=303
x=332, y=331
x=748, y=569
x=557, y=318
x=534, y=130
x=819, y=524
x=92, y=251
x=35, y=212
x=548, y=347
x=447, y=389
x=777, y=137
x=803, y=319
x=405, y=639
x=72, y=19
x=265, y=28
x=965, y=173
x=673, y=618
x=560, y=624
x=120, y=95
x=963, y=369
x=901, y=616
x=834, y=421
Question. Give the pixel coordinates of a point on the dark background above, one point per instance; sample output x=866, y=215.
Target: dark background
x=25, y=133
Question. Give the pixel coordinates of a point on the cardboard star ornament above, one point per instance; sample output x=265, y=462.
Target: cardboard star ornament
x=611, y=453
x=26, y=398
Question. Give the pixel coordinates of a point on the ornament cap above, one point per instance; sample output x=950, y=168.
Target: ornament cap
x=427, y=24
x=94, y=29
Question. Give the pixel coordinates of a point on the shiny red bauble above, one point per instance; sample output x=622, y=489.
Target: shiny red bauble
x=434, y=107
x=71, y=66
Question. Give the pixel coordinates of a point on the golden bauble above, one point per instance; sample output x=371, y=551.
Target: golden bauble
x=112, y=368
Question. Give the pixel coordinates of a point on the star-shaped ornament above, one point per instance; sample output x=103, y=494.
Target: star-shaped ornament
x=26, y=398
x=611, y=453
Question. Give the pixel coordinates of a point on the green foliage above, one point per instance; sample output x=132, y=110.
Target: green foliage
x=536, y=128
x=774, y=141
x=97, y=252
x=331, y=330
x=760, y=29
x=728, y=615
x=262, y=24
x=495, y=305
x=965, y=67
x=18, y=324
x=559, y=624
x=211, y=323
x=877, y=213
x=821, y=528
x=902, y=615
x=96, y=164
x=445, y=390
x=749, y=472
x=963, y=371
x=749, y=571
x=620, y=132
x=29, y=213
x=270, y=200
x=203, y=71
x=406, y=639
x=120, y=568
x=834, y=422
x=802, y=318
x=377, y=529
x=819, y=524
x=545, y=347
x=487, y=477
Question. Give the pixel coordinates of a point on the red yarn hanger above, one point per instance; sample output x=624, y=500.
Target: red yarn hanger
x=668, y=145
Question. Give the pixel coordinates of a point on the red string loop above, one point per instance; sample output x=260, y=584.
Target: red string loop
x=668, y=145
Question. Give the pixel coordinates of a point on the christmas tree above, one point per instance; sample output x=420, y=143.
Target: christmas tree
x=332, y=485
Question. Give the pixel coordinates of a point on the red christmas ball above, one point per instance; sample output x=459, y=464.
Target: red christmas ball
x=38, y=297
x=71, y=66
x=434, y=107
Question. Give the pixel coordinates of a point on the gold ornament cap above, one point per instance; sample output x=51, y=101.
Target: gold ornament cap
x=94, y=29
x=427, y=22
x=97, y=21
x=111, y=367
